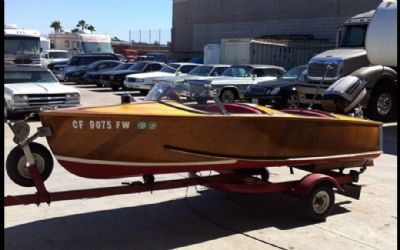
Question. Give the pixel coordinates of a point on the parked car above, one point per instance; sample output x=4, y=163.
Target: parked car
x=280, y=93
x=115, y=79
x=232, y=84
x=27, y=89
x=94, y=76
x=208, y=70
x=197, y=59
x=77, y=74
x=145, y=81
x=80, y=60
x=121, y=57
x=130, y=54
x=54, y=56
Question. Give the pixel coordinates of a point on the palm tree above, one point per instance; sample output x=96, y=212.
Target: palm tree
x=81, y=24
x=91, y=28
x=56, y=25
x=76, y=30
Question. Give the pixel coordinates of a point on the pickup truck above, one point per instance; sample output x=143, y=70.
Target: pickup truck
x=28, y=89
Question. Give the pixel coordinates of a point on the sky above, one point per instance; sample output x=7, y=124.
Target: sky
x=114, y=18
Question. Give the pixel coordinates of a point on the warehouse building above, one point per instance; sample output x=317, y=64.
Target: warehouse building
x=200, y=22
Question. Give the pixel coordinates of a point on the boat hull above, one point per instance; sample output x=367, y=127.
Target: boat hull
x=114, y=145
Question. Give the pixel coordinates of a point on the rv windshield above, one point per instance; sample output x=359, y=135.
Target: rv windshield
x=96, y=47
x=21, y=45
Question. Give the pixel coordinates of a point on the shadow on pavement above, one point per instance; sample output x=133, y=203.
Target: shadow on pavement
x=171, y=224
x=390, y=139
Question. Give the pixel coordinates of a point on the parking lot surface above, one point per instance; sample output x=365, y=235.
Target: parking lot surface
x=199, y=218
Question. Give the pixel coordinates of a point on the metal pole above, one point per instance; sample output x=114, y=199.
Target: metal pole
x=130, y=41
x=159, y=36
x=149, y=36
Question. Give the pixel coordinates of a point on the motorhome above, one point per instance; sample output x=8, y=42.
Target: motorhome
x=82, y=42
x=21, y=46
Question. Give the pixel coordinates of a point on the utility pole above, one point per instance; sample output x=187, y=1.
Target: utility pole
x=130, y=41
x=140, y=36
x=149, y=36
x=159, y=37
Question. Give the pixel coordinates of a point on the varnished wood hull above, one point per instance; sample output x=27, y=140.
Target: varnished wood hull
x=94, y=144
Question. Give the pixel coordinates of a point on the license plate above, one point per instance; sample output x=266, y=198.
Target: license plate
x=255, y=101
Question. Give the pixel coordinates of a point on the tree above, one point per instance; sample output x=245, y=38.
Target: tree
x=56, y=25
x=81, y=24
x=76, y=30
x=91, y=28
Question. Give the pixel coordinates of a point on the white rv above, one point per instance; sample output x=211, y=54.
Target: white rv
x=21, y=46
x=83, y=42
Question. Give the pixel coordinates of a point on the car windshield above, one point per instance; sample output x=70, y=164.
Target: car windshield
x=96, y=47
x=238, y=71
x=21, y=45
x=16, y=77
x=168, y=68
x=137, y=66
x=201, y=71
x=57, y=55
x=294, y=73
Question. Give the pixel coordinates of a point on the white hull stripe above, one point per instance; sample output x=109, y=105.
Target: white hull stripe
x=221, y=162
x=124, y=163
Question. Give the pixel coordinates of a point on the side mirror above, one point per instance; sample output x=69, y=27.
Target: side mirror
x=178, y=73
x=254, y=76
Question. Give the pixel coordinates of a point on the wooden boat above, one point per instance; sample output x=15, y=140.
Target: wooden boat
x=155, y=137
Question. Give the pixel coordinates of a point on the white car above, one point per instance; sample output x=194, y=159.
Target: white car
x=28, y=89
x=51, y=56
x=204, y=70
x=232, y=84
x=146, y=81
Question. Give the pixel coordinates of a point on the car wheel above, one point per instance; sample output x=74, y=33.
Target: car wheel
x=114, y=87
x=292, y=101
x=99, y=85
x=6, y=111
x=383, y=103
x=227, y=95
x=143, y=92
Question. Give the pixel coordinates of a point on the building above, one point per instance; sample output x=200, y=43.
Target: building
x=196, y=23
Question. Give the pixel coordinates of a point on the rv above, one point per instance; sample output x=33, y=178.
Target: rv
x=79, y=43
x=21, y=46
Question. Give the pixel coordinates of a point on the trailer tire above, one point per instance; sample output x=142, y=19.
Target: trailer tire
x=383, y=103
x=318, y=204
x=16, y=164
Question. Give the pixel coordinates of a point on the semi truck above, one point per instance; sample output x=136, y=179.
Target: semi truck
x=367, y=49
x=81, y=43
x=21, y=46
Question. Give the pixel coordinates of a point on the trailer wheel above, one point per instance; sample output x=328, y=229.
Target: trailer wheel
x=319, y=202
x=383, y=103
x=16, y=164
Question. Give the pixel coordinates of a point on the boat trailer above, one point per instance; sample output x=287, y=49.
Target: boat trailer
x=315, y=189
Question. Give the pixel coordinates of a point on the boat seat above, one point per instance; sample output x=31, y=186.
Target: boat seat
x=234, y=108
x=307, y=112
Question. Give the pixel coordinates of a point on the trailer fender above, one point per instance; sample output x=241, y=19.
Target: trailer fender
x=304, y=187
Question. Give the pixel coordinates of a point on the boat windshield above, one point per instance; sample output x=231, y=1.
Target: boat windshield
x=168, y=91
